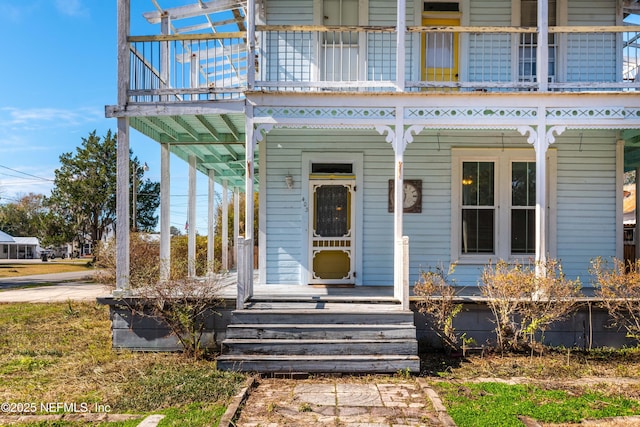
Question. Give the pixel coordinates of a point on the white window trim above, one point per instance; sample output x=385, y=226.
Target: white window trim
x=503, y=159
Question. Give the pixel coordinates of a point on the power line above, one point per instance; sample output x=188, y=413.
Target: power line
x=27, y=174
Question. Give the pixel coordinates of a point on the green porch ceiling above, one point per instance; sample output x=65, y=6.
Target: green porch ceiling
x=216, y=140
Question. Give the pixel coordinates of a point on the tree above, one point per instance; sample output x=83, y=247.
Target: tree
x=84, y=192
x=175, y=231
x=148, y=200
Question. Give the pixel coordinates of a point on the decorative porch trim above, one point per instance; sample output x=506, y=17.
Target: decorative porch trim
x=464, y=113
x=324, y=113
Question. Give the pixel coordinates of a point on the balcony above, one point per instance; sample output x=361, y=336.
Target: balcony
x=214, y=67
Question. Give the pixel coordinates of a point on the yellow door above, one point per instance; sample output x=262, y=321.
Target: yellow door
x=440, y=51
x=332, y=217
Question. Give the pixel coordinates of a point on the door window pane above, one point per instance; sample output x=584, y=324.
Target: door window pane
x=332, y=211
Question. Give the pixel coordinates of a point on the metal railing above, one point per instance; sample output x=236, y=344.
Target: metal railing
x=188, y=68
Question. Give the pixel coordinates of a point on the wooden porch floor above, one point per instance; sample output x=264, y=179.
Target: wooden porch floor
x=371, y=294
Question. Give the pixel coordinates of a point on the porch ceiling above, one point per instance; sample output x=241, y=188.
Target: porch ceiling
x=217, y=141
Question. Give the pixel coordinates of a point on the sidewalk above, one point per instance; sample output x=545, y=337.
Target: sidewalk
x=351, y=401
x=58, y=287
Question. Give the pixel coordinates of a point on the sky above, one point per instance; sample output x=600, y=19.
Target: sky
x=59, y=71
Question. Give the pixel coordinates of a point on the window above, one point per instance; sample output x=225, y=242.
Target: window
x=529, y=41
x=494, y=203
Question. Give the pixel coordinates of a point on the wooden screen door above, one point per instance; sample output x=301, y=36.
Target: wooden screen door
x=440, y=51
x=332, y=231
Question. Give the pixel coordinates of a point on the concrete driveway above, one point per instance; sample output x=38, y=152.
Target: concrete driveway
x=76, y=286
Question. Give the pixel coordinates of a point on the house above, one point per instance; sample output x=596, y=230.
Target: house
x=502, y=128
x=18, y=247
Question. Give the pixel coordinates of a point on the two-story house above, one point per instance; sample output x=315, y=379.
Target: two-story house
x=386, y=136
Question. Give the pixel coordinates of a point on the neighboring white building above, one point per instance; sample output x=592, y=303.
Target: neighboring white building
x=18, y=247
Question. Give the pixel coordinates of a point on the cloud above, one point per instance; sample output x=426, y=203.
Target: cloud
x=36, y=118
x=74, y=8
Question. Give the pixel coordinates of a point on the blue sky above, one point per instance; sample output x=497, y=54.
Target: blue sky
x=58, y=73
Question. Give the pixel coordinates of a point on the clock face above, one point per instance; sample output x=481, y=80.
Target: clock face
x=410, y=197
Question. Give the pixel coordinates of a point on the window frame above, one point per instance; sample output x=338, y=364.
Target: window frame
x=503, y=160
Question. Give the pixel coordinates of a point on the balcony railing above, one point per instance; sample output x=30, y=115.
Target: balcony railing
x=188, y=68
x=315, y=58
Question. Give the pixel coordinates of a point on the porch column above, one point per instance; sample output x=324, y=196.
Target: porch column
x=236, y=225
x=542, y=51
x=211, y=223
x=165, y=212
x=191, y=219
x=122, y=155
x=165, y=29
x=225, y=226
x=245, y=289
x=401, y=30
x=541, y=146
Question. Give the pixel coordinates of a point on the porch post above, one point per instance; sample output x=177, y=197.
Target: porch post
x=247, y=243
x=122, y=207
x=122, y=155
x=541, y=146
x=399, y=290
x=165, y=212
x=191, y=221
x=251, y=43
x=225, y=226
x=401, y=30
x=211, y=209
x=165, y=29
x=236, y=225
x=542, y=51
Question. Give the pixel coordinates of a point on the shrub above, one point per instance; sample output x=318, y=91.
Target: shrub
x=524, y=304
x=618, y=288
x=144, y=261
x=436, y=292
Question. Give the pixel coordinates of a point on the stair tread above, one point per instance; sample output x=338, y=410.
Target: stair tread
x=319, y=357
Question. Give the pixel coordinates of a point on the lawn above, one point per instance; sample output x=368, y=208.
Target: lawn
x=60, y=356
x=17, y=268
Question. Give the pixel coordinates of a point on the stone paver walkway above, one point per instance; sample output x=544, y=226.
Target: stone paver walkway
x=349, y=402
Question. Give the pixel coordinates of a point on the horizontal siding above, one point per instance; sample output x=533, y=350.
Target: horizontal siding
x=289, y=12
x=591, y=12
x=585, y=199
x=490, y=13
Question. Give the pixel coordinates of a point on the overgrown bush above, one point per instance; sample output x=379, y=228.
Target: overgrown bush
x=185, y=305
x=524, y=304
x=144, y=258
x=618, y=288
x=144, y=261
x=436, y=292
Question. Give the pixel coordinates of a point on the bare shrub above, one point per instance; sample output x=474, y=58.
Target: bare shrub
x=524, y=304
x=144, y=258
x=618, y=288
x=185, y=305
x=436, y=292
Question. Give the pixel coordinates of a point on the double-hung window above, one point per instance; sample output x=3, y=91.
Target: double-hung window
x=494, y=204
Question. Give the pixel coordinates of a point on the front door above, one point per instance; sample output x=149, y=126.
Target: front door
x=332, y=231
x=440, y=51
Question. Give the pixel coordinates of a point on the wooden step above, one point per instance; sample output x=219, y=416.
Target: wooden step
x=319, y=363
x=315, y=316
x=320, y=331
x=252, y=347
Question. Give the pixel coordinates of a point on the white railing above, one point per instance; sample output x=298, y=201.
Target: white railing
x=318, y=58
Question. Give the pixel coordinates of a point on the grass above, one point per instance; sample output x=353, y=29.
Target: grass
x=497, y=404
x=62, y=353
x=16, y=269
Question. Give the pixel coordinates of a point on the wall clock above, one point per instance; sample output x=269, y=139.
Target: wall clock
x=411, y=195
